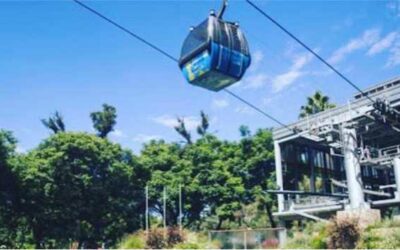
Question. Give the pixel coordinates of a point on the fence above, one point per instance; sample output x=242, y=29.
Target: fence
x=265, y=238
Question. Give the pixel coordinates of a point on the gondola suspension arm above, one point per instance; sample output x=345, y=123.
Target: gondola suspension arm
x=223, y=8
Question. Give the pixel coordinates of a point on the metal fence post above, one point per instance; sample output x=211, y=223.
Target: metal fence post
x=245, y=239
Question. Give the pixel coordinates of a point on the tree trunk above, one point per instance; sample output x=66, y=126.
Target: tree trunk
x=219, y=223
x=270, y=216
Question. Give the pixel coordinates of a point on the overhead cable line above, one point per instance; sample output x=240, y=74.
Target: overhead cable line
x=262, y=12
x=163, y=52
x=126, y=30
x=257, y=109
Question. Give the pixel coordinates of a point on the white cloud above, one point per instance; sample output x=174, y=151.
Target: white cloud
x=394, y=58
x=166, y=120
x=267, y=100
x=145, y=138
x=117, y=133
x=220, y=103
x=383, y=44
x=244, y=110
x=368, y=38
x=191, y=122
x=256, y=59
x=255, y=81
x=284, y=80
x=301, y=60
x=20, y=149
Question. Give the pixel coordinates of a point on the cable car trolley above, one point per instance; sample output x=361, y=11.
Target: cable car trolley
x=215, y=54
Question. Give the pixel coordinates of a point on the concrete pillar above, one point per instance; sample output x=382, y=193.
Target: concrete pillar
x=279, y=175
x=282, y=234
x=353, y=170
x=311, y=159
x=396, y=169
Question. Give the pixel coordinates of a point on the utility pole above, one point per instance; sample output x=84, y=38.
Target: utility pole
x=180, y=207
x=147, y=209
x=165, y=209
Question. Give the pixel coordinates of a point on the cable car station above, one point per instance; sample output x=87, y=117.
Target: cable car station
x=343, y=159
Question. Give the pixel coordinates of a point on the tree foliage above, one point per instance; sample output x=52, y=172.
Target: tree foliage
x=315, y=104
x=203, y=126
x=181, y=129
x=82, y=188
x=105, y=120
x=10, y=224
x=55, y=123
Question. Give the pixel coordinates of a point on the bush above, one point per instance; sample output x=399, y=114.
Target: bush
x=156, y=239
x=187, y=245
x=270, y=243
x=133, y=241
x=312, y=236
x=382, y=235
x=175, y=236
x=343, y=233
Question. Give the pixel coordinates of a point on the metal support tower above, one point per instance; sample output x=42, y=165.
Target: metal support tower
x=396, y=168
x=353, y=170
x=279, y=175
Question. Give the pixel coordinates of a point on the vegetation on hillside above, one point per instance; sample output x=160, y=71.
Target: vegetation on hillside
x=83, y=190
x=345, y=234
x=77, y=189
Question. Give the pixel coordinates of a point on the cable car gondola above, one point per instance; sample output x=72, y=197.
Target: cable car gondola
x=215, y=54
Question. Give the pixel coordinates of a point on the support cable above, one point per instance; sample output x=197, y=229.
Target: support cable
x=257, y=109
x=347, y=80
x=151, y=45
x=163, y=52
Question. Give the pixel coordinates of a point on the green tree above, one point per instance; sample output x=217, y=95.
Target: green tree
x=105, y=120
x=216, y=190
x=257, y=169
x=79, y=187
x=10, y=218
x=55, y=123
x=181, y=129
x=202, y=128
x=315, y=104
x=202, y=168
x=244, y=131
x=163, y=161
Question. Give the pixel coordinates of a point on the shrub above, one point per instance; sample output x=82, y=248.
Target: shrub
x=133, y=241
x=343, y=233
x=156, y=239
x=312, y=236
x=270, y=243
x=187, y=245
x=175, y=236
x=382, y=235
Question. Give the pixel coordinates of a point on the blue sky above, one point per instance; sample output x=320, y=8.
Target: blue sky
x=55, y=55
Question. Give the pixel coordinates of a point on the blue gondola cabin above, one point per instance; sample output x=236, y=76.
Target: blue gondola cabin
x=215, y=54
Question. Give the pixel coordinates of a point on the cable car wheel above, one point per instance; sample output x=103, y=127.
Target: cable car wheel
x=215, y=54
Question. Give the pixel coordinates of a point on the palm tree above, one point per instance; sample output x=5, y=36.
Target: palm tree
x=315, y=104
x=203, y=126
x=181, y=129
x=55, y=123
